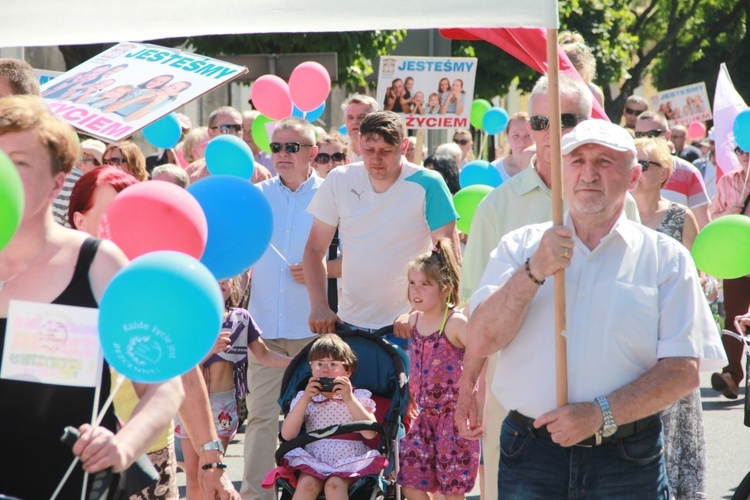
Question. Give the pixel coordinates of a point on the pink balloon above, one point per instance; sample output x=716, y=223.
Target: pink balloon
x=152, y=216
x=696, y=130
x=271, y=97
x=309, y=85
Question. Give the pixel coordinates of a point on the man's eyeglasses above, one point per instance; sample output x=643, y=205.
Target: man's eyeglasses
x=461, y=142
x=89, y=160
x=290, y=147
x=113, y=161
x=541, y=122
x=324, y=158
x=646, y=163
x=739, y=151
x=331, y=365
x=650, y=133
x=228, y=128
x=635, y=112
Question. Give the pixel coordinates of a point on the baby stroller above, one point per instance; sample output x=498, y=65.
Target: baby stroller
x=382, y=369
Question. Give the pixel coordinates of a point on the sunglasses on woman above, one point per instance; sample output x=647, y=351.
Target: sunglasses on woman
x=541, y=122
x=461, y=142
x=739, y=151
x=646, y=163
x=113, y=161
x=290, y=147
x=324, y=158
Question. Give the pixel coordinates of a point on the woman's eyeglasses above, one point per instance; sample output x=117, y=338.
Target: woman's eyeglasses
x=646, y=163
x=113, y=161
x=739, y=151
x=290, y=147
x=541, y=122
x=324, y=158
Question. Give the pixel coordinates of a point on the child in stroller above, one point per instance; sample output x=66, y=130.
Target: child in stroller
x=341, y=460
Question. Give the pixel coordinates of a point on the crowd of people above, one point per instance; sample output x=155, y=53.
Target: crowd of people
x=364, y=238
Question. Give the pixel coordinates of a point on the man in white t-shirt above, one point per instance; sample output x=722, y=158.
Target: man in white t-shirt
x=388, y=211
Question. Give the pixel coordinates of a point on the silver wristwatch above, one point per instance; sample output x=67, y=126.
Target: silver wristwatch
x=609, y=426
x=214, y=445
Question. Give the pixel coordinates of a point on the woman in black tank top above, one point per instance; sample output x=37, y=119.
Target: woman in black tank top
x=47, y=263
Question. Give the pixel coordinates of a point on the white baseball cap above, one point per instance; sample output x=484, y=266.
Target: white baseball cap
x=600, y=132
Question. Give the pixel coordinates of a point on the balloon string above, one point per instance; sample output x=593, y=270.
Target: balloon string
x=279, y=254
x=118, y=383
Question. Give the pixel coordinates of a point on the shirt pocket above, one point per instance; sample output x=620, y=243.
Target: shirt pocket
x=633, y=321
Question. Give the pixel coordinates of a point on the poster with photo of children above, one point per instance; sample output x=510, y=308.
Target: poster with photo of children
x=131, y=85
x=683, y=105
x=429, y=92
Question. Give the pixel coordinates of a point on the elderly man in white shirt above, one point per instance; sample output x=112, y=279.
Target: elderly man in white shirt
x=632, y=348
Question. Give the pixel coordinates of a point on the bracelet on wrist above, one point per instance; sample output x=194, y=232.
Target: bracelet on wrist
x=528, y=273
x=218, y=465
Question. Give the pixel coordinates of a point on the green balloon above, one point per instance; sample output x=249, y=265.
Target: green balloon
x=11, y=200
x=721, y=248
x=466, y=202
x=478, y=108
x=259, y=133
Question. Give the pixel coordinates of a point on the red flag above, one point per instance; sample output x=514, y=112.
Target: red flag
x=528, y=45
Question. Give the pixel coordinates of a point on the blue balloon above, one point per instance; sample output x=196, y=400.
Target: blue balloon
x=316, y=113
x=240, y=223
x=475, y=172
x=160, y=316
x=164, y=133
x=495, y=120
x=297, y=112
x=741, y=129
x=342, y=129
x=230, y=155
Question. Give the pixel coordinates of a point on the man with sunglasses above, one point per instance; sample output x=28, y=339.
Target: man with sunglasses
x=388, y=211
x=524, y=199
x=634, y=106
x=685, y=185
x=629, y=355
x=278, y=297
x=224, y=120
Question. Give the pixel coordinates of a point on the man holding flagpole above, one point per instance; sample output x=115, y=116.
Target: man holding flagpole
x=631, y=349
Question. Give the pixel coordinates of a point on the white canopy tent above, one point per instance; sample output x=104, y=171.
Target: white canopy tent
x=54, y=22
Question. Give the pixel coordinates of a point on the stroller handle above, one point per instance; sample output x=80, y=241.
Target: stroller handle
x=327, y=432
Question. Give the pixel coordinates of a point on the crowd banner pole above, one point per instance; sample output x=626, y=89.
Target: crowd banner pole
x=555, y=133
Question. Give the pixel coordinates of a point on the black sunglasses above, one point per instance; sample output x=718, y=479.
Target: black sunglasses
x=739, y=151
x=635, y=112
x=228, y=128
x=324, y=158
x=290, y=147
x=541, y=122
x=650, y=133
x=113, y=161
x=646, y=163
x=462, y=142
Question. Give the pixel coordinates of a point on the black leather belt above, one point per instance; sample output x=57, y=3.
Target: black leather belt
x=623, y=431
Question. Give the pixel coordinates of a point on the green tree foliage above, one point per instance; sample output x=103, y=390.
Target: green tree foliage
x=677, y=42
x=356, y=49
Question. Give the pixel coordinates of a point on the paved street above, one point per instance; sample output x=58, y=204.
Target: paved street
x=728, y=445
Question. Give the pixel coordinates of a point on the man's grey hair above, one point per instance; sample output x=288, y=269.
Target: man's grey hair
x=636, y=100
x=361, y=99
x=221, y=111
x=21, y=77
x=569, y=87
x=180, y=175
x=303, y=126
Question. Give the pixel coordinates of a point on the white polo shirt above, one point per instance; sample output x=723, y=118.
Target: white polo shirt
x=634, y=299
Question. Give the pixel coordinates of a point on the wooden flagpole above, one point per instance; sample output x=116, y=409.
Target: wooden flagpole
x=555, y=132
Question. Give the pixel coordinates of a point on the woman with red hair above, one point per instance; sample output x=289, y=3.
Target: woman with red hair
x=92, y=194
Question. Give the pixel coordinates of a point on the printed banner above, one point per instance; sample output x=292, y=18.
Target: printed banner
x=125, y=88
x=683, y=105
x=428, y=92
x=52, y=344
